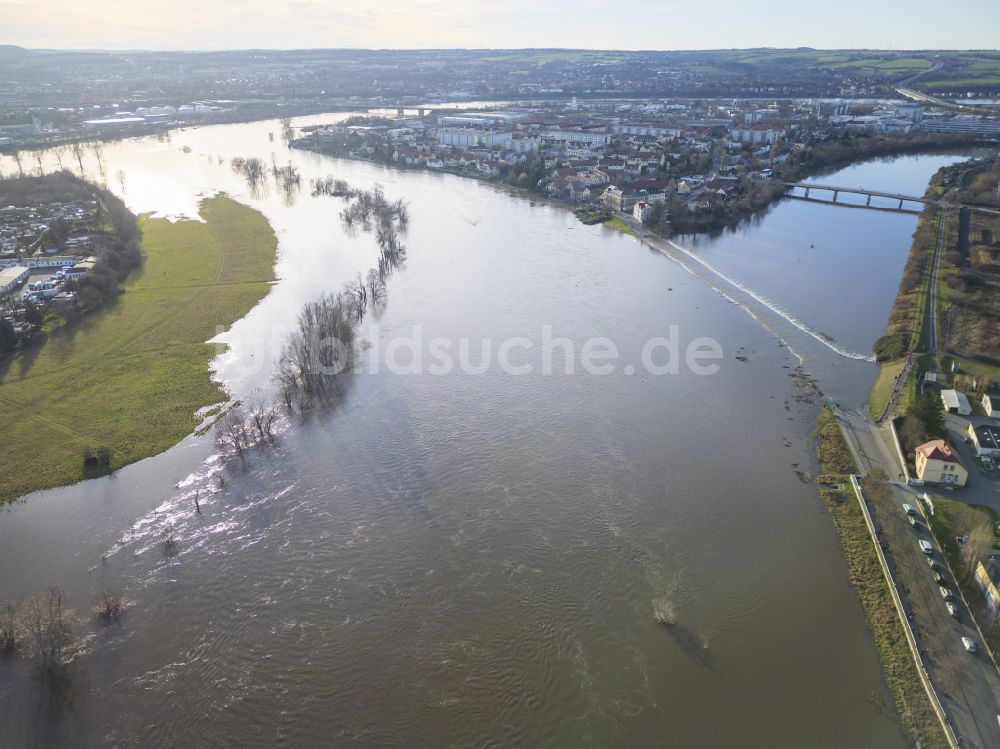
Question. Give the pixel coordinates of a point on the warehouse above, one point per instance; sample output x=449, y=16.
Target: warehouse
x=11, y=278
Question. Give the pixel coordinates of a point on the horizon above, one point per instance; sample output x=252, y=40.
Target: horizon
x=202, y=50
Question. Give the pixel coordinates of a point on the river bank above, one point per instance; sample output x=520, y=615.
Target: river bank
x=946, y=303
x=132, y=377
x=745, y=199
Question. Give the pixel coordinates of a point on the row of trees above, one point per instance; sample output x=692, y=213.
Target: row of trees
x=330, y=187
x=242, y=429
x=64, y=154
x=321, y=348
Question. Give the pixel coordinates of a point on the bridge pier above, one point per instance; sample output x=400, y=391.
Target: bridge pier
x=807, y=192
x=835, y=193
x=900, y=204
x=869, y=201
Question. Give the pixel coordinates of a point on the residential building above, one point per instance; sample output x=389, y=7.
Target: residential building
x=955, y=402
x=642, y=211
x=937, y=463
x=985, y=439
x=991, y=404
x=988, y=578
x=576, y=136
x=755, y=135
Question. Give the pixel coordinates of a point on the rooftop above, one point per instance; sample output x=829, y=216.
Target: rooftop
x=939, y=450
x=955, y=399
x=988, y=436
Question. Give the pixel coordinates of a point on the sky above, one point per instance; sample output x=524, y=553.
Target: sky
x=587, y=24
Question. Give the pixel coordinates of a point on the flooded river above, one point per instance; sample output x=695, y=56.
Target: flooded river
x=462, y=559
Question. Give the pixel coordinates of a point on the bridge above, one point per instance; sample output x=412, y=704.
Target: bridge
x=837, y=190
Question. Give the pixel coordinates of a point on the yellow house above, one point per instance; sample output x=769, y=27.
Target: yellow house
x=986, y=578
x=937, y=463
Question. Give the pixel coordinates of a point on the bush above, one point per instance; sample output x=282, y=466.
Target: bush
x=891, y=346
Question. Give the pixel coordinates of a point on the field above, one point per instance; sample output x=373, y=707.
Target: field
x=883, y=386
x=130, y=378
x=618, y=225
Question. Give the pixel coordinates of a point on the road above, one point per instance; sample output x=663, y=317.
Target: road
x=932, y=297
x=967, y=684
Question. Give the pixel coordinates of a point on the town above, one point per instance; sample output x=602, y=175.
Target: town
x=680, y=165
x=62, y=253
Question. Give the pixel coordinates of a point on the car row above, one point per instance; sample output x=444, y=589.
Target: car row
x=937, y=571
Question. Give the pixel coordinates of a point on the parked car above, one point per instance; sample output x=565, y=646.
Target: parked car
x=925, y=546
x=908, y=509
x=987, y=464
x=932, y=563
x=969, y=644
x=952, y=609
x=946, y=594
x=913, y=521
x=938, y=578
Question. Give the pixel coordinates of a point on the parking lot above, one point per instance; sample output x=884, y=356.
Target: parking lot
x=983, y=487
x=968, y=683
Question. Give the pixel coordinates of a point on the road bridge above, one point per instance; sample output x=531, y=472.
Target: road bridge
x=837, y=190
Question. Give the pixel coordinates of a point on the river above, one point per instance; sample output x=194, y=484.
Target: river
x=484, y=560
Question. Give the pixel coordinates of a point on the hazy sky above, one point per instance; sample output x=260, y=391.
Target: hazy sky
x=595, y=24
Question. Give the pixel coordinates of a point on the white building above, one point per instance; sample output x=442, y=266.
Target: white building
x=655, y=131
x=985, y=440
x=991, y=404
x=955, y=402
x=471, y=137
x=642, y=211
x=11, y=278
x=577, y=136
x=755, y=135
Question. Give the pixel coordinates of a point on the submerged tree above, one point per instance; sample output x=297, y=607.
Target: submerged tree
x=47, y=622
x=9, y=626
x=110, y=607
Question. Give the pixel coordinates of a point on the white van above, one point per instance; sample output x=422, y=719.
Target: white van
x=925, y=546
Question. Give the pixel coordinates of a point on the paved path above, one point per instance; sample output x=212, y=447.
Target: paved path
x=932, y=299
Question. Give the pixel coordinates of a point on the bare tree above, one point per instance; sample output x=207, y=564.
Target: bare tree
x=98, y=148
x=263, y=416
x=376, y=286
x=38, y=160
x=46, y=620
x=286, y=375
x=110, y=607
x=877, y=485
x=58, y=152
x=170, y=541
x=978, y=542
x=232, y=431
x=77, y=149
x=17, y=160
x=9, y=630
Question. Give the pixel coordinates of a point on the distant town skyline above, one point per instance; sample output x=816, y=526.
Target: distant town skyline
x=511, y=24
